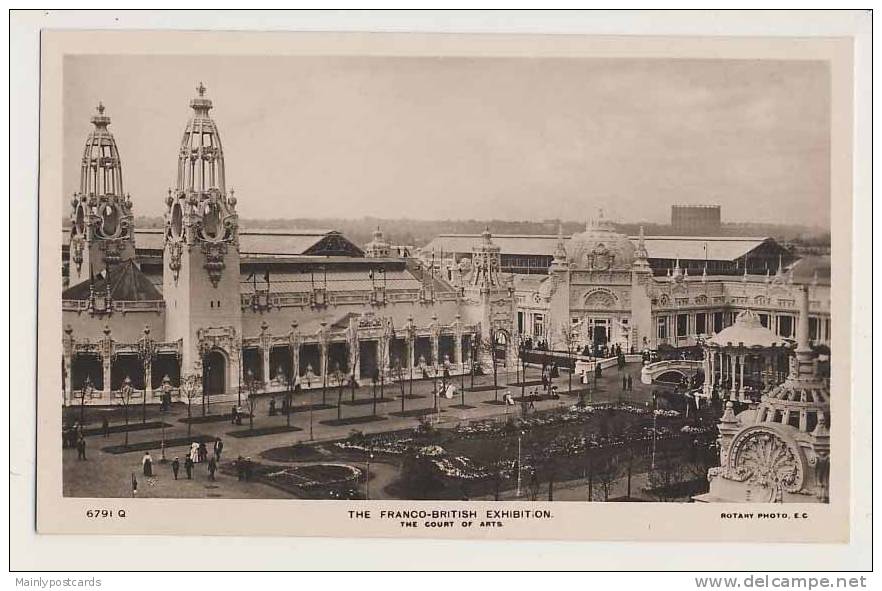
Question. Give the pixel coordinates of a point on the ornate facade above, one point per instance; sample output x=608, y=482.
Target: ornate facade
x=310, y=308
x=778, y=450
x=601, y=290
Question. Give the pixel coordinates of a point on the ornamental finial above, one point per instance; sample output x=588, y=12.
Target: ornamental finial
x=100, y=108
x=201, y=89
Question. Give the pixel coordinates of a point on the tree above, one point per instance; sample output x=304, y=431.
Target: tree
x=84, y=392
x=252, y=406
x=605, y=472
x=569, y=341
x=663, y=480
x=399, y=373
x=253, y=386
x=338, y=375
x=189, y=391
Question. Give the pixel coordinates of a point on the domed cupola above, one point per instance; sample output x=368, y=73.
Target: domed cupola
x=101, y=213
x=600, y=247
x=378, y=247
x=199, y=210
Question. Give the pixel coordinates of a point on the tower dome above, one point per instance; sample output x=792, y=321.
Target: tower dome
x=201, y=157
x=378, y=247
x=600, y=247
x=199, y=208
x=101, y=213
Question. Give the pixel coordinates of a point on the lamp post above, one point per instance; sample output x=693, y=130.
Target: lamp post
x=520, y=434
x=367, y=478
x=654, y=421
x=126, y=392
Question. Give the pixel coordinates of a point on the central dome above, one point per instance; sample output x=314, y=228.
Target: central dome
x=600, y=247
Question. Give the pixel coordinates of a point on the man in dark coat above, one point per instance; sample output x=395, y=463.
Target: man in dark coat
x=630, y=382
x=105, y=427
x=212, y=468
x=240, y=467
x=81, y=448
x=188, y=466
x=176, y=465
x=234, y=414
x=218, y=448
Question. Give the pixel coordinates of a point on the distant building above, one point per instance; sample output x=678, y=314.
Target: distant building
x=695, y=220
x=528, y=255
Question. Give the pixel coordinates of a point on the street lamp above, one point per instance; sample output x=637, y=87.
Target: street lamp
x=126, y=392
x=367, y=478
x=654, y=421
x=520, y=434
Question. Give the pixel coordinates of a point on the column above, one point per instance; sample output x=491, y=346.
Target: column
x=358, y=369
x=411, y=349
x=457, y=350
x=105, y=360
x=741, y=378
x=294, y=350
x=68, y=378
x=148, y=378
x=732, y=376
x=265, y=359
x=323, y=358
x=707, y=373
x=384, y=343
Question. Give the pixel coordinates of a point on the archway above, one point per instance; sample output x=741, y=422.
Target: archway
x=214, y=373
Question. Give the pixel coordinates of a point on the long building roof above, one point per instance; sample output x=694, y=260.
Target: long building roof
x=264, y=242
x=658, y=247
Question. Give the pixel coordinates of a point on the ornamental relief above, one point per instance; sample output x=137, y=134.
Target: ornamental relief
x=76, y=250
x=175, y=252
x=224, y=338
x=762, y=457
x=600, y=298
x=214, y=260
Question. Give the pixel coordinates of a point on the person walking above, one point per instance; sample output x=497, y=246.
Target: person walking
x=203, y=452
x=81, y=448
x=188, y=467
x=212, y=467
x=218, y=448
x=624, y=383
x=234, y=414
x=240, y=468
x=105, y=427
x=147, y=464
x=176, y=465
x=272, y=407
x=630, y=383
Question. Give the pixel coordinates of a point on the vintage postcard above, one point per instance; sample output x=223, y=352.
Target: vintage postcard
x=446, y=286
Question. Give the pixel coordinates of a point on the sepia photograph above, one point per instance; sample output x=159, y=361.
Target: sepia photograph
x=332, y=278
x=482, y=287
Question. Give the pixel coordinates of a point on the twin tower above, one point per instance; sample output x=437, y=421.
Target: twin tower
x=201, y=252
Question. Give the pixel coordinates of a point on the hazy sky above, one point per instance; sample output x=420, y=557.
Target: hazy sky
x=508, y=138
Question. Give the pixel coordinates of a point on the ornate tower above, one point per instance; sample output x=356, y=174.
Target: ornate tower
x=780, y=451
x=485, y=262
x=102, y=232
x=492, y=301
x=378, y=247
x=201, y=258
x=641, y=301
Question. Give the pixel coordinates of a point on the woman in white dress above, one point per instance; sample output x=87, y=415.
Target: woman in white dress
x=194, y=452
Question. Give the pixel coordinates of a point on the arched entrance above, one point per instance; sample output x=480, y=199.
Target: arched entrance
x=500, y=346
x=214, y=373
